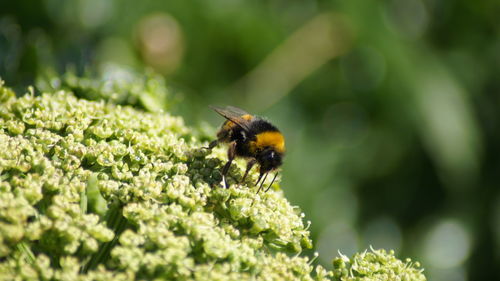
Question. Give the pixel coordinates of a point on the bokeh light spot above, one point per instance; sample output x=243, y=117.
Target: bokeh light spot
x=93, y=13
x=446, y=274
x=447, y=244
x=160, y=41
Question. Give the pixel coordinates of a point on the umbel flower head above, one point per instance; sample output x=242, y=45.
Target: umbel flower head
x=92, y=190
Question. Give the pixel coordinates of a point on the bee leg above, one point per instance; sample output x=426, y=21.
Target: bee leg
x=224, y=172
x=275, y=175
x=211, y=145
x=231, y=153
x=258, y=180
x=249, y=167
x=262, y=183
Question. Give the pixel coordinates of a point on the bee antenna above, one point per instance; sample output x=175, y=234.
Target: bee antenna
x=275, y=175
x=262, y=183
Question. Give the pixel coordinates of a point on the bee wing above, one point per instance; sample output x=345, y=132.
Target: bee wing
x=230, y=110
x=233, y=114
x=236, y=110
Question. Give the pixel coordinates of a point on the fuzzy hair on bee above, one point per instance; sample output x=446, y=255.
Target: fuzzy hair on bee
x=252, y=138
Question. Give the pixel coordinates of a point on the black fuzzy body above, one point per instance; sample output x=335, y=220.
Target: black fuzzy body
x=243, y=137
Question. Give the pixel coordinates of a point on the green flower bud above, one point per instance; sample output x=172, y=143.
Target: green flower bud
x=15, y=127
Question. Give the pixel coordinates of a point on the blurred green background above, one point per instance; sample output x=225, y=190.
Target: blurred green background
x=390, y=108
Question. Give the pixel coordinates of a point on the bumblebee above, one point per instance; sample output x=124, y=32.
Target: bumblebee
x=252, y=138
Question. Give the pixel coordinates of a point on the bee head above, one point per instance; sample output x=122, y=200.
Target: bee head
x=269, y=160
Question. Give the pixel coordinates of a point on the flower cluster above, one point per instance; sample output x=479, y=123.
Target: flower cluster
x=92, y=190
x=376, y=265
x=116, y=84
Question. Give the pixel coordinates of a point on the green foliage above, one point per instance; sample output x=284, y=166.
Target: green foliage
x=91, y=190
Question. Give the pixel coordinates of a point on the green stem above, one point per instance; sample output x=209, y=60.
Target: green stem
x=117, y=223
x=30, y=257
x=83, y=201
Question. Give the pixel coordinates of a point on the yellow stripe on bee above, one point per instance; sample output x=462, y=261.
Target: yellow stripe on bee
x=227, y=125
x=230, y=124
x=270, y=139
